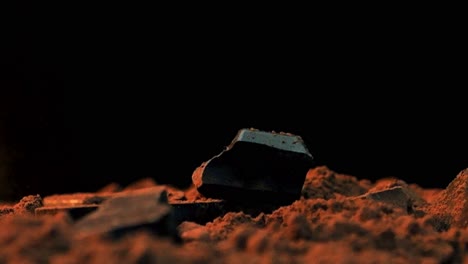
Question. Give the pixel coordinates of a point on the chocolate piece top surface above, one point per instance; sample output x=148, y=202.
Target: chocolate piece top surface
x=283, y=141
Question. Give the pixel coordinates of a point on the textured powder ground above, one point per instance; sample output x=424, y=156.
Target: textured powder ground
x=332, y=222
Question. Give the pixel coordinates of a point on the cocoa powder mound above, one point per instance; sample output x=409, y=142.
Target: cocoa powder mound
x=322, y=182
x=451, y=206
x=28, y=239
x=332, y=222
x=4, y=210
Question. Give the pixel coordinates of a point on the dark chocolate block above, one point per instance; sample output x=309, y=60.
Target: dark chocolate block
x=258, y=167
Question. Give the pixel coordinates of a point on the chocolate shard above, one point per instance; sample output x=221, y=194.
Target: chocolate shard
x=74, y=199
x=77, y=205
x=257, y=166
x=395, y=195
x=145, y=208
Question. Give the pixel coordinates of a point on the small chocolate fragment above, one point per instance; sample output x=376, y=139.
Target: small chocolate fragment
x=77, y=205
x=80, y=204
x=199, y=212
x=75, y=211
x=75, y=199
x=145, y=208
x=258, y=167
x=396, y=196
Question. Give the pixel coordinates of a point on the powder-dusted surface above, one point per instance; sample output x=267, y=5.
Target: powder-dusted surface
x=329, y=224
x=452, y=206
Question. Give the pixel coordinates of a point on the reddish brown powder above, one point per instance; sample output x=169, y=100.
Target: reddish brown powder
x=329, y=224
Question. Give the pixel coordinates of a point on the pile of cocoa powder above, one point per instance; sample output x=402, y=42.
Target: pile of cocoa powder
x=335, y=221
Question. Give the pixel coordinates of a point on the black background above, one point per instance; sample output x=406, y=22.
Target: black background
x=118, y=101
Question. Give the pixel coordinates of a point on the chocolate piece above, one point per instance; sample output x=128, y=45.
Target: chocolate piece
x=199, y=212
x=257, y=166
x=75, y=199
x=75, y=211
x=396, y=196
x=80, y=204
x=146, y=208
x=77, y=205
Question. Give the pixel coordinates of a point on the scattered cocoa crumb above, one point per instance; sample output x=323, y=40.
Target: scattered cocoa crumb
x=6, y=210
x=322, y=182
x=28, y=204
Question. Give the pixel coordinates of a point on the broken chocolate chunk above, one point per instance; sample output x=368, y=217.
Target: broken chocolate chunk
x=257, y=166
x=145, y=208
x=75, y=211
